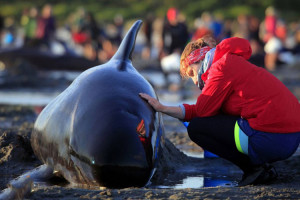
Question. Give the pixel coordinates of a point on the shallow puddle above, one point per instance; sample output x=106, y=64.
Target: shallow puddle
x=198, y=182
x=193, y=182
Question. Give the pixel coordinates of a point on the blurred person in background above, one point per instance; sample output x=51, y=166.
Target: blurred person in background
x=244, y=113
x=268, y=25
x=1, y=27
x=175, y=33
x=296, y=48
x=227, y=30
x=174, y=37
x=209, y=24
x=92, y=33
x=86, y=34
x=272, y=49
x=119, y=24
x=46, y=26
x=148, y=29
x=1, y=22
x=241, y=26
x=269, y=35
x=30, y=26
x=91, y=27
x=106, y=51
x=202, y=27
x=254, y=24
x=9, y=34
x=217, y=27
x=258, y=54
x=76, y=23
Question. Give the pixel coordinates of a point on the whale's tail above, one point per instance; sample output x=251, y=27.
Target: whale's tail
x=126, y=48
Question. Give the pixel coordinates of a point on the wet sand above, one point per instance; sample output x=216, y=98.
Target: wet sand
x=210, y=178
x=178, y=176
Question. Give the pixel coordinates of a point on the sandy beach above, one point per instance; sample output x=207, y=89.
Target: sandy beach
x=178, y=176
x=182, y=172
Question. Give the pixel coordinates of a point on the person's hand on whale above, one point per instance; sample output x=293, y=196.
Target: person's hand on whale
x=153, y=102
x=174, y=111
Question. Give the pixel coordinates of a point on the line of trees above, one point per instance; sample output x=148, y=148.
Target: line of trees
x=105, y=10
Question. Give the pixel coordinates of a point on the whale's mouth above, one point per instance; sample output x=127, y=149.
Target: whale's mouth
x=121, y=176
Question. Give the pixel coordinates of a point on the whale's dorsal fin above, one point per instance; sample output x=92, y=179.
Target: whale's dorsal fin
x=126, y=48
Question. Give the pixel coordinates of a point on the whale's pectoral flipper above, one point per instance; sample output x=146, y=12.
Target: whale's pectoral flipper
x=21, y=186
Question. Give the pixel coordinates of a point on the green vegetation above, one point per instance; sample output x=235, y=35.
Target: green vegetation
x=105, y=10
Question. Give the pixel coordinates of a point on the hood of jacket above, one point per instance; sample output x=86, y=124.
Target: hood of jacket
x=234, y=45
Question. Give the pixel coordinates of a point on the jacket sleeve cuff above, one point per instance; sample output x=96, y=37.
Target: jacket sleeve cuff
x=188, y=112
x=182, y=109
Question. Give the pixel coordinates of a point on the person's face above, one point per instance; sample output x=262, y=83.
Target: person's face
x=192, y=71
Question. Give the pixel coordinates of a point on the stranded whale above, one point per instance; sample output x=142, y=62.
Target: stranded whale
x=99, y=131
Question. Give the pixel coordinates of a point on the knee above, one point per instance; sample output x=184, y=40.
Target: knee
x=192, y=131
x=196, y=136
x=191, y=135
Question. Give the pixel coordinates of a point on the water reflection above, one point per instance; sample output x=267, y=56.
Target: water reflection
x=194, y=154
x=26, y=97
x=218, y=182
x=198, y=182
x=191, y=182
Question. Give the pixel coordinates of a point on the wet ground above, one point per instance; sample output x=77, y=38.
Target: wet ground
x=190, y=176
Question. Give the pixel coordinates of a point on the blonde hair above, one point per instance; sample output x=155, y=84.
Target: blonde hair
x=190, y=47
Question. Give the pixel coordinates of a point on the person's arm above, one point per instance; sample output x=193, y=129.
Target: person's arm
x=173, y=111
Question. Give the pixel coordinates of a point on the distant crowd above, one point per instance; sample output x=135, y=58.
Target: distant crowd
x=160, y=41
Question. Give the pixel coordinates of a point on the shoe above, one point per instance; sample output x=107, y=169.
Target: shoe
x=250, y=177
x=259, y=175
x=269, y=175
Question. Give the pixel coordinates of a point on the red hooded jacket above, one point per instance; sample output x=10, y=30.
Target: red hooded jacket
x=236, y=87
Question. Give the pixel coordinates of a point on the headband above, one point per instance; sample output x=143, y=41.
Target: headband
x=196, y=55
